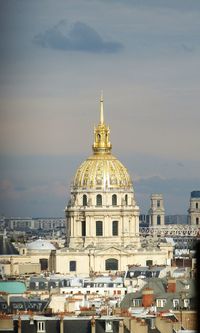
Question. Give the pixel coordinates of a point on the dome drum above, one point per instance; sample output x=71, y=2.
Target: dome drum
x=97, y=199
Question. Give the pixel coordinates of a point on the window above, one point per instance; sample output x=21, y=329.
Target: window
x=43, y=264
x=197, y=206
x=84, y=200
x=99, y=228
x=114, y=200
x=137, y=302
x=111, y=264
x=158, y=220
x=99, y=200
x=109, y=326
x=161, y=302
x=83, y=228
x=115, y=228
x=41, y=327
x=176, y=303
x=158, y=203
x=72, y=266
x=149, y=262
x=197, y=220
x=186, y=303
x=126, y=199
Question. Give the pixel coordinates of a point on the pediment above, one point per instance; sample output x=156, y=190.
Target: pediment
x=110, y=250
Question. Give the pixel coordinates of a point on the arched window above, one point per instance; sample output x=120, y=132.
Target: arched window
x=114, y=200
x=111, y=264
x=158, y=203
x=99, y=200
x=158, y=220
x=197, y=206
x=197, y=220
x=126, y=199
x=99, y=228
x=115, y=228
x=84, y=200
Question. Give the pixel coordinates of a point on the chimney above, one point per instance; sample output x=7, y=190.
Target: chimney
x=93, y=325
x=121, y=326
x=61, y=324
x=147, y=297
x=171, y=285
x=19, y=330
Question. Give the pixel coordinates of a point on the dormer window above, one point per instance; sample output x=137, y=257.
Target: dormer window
x=41, y=327
x=186, y=303
x=160, y=302
x=109, y=326
x=137, y=302
x=176, y=303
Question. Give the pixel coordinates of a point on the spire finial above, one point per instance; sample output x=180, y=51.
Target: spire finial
x=102, y=134
x=101, y=109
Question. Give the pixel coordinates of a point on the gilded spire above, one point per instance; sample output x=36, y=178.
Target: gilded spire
x=101, y=109
x=101, y=134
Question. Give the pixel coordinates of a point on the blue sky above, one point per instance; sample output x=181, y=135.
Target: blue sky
x=57, y=56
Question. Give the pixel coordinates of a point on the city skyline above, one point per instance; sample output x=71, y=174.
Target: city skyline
x=56, y=59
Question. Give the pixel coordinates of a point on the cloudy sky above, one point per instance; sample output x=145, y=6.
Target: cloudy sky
x=57, y=56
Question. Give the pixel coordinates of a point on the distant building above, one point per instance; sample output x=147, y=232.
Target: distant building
x=176, y=219
x=29, y=223
x=194, y=209
x=169, y=219
x=18, y=223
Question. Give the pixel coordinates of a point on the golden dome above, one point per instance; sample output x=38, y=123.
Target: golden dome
x=102, y=171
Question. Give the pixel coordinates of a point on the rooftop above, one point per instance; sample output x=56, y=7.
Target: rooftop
x=12, y=287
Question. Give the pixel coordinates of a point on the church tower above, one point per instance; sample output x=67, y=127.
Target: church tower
x=102, y=210
x=157, y=211
x=194, y=209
